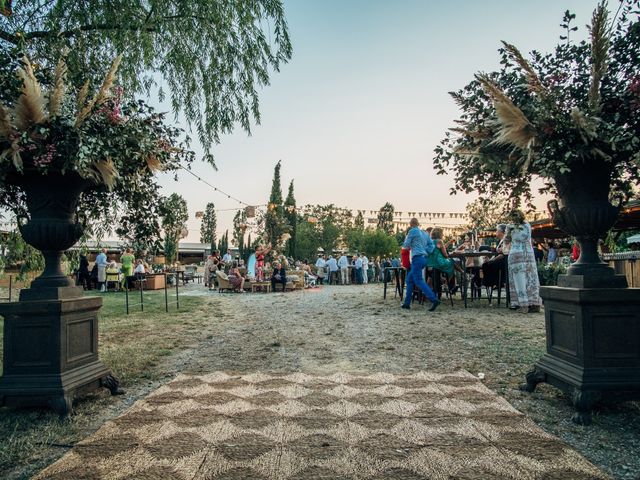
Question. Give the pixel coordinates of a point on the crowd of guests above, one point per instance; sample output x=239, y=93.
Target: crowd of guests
x=346, y=269
x=103, y=270
x=512, y=261
x=266, y=265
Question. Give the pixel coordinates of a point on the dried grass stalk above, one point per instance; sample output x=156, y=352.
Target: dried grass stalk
x=465, y=152
x=6, y=127
x=586, y=126
x=513, y=126
x=107, y=83
x=82, y=96
x=535, y=84
x=29, y=109
x=154, y=163
x=600, y=43
x=470, y=133
x=14, y=152
x=105, y=171
x=102, y=94
x=59, y=86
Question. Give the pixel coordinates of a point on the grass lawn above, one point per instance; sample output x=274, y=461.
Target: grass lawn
x=133, y=347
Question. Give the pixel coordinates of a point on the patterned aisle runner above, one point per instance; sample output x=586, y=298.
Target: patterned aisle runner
x=298, y=426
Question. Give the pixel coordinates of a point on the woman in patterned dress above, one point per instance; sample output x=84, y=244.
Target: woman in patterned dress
x=524, y=284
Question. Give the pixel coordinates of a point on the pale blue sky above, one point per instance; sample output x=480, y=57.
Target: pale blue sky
x=357, y=112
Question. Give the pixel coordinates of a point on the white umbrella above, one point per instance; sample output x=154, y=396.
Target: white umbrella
x=633, y=239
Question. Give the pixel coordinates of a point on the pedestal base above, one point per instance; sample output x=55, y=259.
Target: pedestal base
x=51, y=353
x=593, y=345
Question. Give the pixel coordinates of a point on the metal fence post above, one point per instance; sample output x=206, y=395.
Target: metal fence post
x=10, y=285
x=177, y=293
x=126, y=299
x=141, y=296
x=166, y=294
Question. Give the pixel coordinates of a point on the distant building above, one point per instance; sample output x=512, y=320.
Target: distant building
x=188, y=252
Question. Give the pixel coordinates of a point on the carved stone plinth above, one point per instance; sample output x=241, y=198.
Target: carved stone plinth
x=51, y=353
x=593, y=345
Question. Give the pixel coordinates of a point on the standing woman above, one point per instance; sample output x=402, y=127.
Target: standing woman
x=260, y=254
x=523, y=272
x=127, y=259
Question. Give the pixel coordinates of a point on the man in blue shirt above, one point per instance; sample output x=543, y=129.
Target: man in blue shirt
x=101, y=261
x=421, y=245
x=357, y=263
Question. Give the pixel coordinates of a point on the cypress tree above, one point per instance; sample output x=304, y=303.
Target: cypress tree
x=208, y=226
x=292, y=220
x=274, y=219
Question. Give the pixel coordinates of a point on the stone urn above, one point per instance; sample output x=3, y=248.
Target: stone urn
x=51, y=333
x=585, y=212
x=592, y=319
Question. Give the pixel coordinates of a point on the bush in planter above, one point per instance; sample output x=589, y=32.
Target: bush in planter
x=553, y=116
x=21, y=255
x=548, y=273
x=105, y=147
x=570, y=118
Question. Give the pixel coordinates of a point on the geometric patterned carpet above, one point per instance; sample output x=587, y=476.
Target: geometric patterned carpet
x=341, y=426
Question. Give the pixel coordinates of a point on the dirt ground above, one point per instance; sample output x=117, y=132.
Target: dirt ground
x=351, y=329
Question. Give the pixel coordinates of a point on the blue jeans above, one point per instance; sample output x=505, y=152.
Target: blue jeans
x=415, y=278
x=359, y=278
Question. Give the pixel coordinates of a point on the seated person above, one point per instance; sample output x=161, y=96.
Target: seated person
x=494, y=270
x=140, y=268
x=235, y=278
x=309, y=278
x=279, y=275
x=138, y=274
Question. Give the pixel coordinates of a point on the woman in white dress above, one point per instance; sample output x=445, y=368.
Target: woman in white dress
x=524, y=285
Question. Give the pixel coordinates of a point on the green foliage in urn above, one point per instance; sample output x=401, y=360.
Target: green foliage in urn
x=209, y=57
x=116, y=145
x=548, y=273
x=552, y=114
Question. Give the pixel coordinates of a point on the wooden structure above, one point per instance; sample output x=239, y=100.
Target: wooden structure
x=629, y=219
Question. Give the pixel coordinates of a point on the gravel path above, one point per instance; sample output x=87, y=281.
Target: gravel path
x=351, y=329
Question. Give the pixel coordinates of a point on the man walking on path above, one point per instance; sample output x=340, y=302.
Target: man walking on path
x=343, y=263
x=421, y=245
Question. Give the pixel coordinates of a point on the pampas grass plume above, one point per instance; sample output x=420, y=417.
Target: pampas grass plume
x=56, y=96
x=29, y=109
